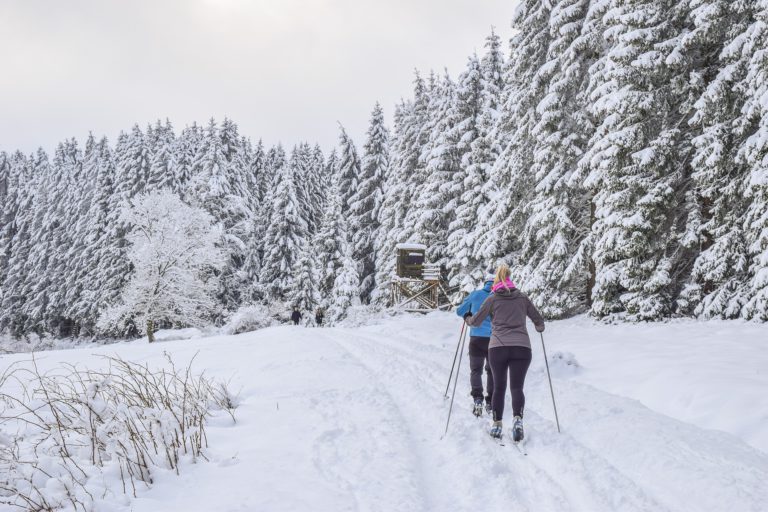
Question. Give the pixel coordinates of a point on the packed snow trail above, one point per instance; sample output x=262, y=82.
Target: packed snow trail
x=402, y=374
x=350, y=419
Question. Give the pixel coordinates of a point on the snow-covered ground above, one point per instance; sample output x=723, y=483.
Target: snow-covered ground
x=661, y=417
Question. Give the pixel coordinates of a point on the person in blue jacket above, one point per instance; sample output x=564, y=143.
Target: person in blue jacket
x=479, y=337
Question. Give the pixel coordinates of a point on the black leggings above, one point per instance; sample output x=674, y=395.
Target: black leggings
x=516, y=361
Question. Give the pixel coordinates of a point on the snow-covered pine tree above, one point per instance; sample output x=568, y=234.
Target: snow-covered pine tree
x=501, y=219
x=346, y=286
x=389, y=216
x=4, y=172
x=84, y=185
x=366, y=201
x=301, y=166
x=331, y=169
x=272, y=168
x=554, y=272
x=235, y=151
x=318, y=184
x=209, y=173
x=9, y=190
x=258, y=171
x=285, y=233
x=405, y=178
x=162, y=165
x=5, y=220
x=303, y=293
x=240, y=223
x=252, y=263
x=716, y=201
x=8, y=208
x=114, y=266
x=15, y=242
x=175, y=252
x=185, y=149
x=754, y=152
x=68, y=161
x=476, y=188
x=328, y=244
x=466, y=112
x=637, y=160
x=485, y=149
x=218, y=185
x=26, y=223
x=432, y=208
x=407, y=162
x=38, y=287
x=349, y=169
x=492, y=71
x=97, y=242
x=133, y=160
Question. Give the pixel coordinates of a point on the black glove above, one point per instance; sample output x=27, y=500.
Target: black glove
x=467, y=315
x=540, y=328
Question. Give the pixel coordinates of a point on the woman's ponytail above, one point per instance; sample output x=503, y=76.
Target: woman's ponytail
x=502, y=274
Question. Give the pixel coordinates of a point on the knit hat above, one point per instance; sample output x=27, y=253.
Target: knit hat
x=490, y=274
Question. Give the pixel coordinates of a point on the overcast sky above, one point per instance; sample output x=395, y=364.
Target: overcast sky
x=284, y=70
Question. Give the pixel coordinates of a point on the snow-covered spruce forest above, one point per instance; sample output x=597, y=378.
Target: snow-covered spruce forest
x=615, y=154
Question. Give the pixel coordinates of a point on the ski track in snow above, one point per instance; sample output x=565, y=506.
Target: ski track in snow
x=368, y=460
x=616, y=449
x=523, y=482
x=351, y=420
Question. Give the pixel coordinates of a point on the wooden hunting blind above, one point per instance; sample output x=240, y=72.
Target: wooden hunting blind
x=417, y=285
x=410, y=260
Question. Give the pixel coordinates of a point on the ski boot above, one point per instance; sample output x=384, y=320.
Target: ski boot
x=477, y=410
x=517, y=429
x=496, y=430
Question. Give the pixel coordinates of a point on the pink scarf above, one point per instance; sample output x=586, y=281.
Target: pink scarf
x=508, y=284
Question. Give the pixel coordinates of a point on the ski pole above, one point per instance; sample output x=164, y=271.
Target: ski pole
x=463, y=326
x=551, y=391
x=455, y=381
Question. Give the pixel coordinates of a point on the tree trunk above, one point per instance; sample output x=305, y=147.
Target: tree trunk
x=150, y=331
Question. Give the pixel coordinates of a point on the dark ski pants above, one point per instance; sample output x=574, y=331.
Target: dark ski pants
x=478, y=359
x=515, y=361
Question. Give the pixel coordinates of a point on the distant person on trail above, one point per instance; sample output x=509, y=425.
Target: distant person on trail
x=510, y=347
x=295, y=316
x=319, y=315
x=479, y=338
